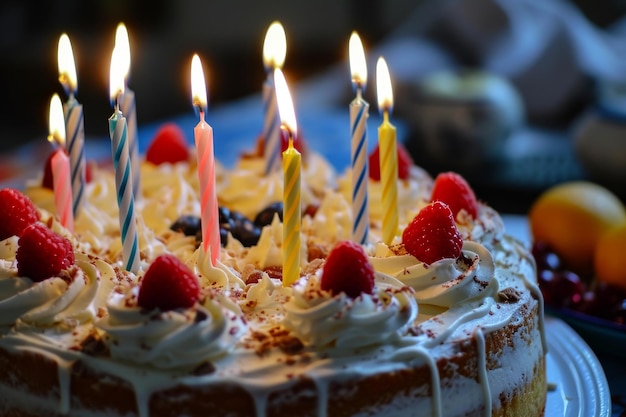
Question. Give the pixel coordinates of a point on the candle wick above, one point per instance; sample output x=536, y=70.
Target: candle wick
x=386, y=116
x=358, y=91
x=290, y=135
x=200, y=111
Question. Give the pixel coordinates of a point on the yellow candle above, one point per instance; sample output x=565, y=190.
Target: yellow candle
x=292, y=162
x=291, y=214
x=388, y=154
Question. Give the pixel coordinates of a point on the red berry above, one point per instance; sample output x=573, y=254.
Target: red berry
x=432, y=235
x=88, y=173
x=404, y=163
x=168, y=284
x=48, y=180
x=452, y=189
x=310, y=210
x=42, y=253
x=348, y=270
x=18, y=212
x=168, y=146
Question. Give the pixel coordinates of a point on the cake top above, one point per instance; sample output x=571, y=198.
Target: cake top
x=450, y=272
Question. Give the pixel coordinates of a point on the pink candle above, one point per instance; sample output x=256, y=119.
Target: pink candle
x=203, y=134
x=60, y=164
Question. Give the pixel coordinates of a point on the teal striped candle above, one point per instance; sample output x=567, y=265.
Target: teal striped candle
x=123, y=183
x=118, y=131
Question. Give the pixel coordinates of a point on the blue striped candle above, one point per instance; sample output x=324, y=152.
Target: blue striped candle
x=359, y=112
x=271, y=126
x=74, y=122
x=274, y=51
x=123, y=183
x=74, y=126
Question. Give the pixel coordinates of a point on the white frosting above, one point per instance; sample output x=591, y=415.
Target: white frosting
x=444, y=283
x=246, y=188
x=237, y=325
x=322, y=320
x=75, y=297
x=175, y=339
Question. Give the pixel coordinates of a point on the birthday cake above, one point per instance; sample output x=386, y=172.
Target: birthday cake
x=445, y=320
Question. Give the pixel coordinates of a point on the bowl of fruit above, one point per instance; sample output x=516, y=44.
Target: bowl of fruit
x=579, y=244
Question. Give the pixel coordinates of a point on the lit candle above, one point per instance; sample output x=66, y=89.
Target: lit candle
x=128, y=107
x=291, y=191
x=74, y=122
x=274, y=51
x=203, y=134
x=123, y=172
x=60, y=165
x=388, y=154
x=359, y=112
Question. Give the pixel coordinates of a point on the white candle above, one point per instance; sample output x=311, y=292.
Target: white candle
x=129, y=107
x=123, y=172
x=203, y=134
x=274, y=51
x=74, y=123
x=359, y=112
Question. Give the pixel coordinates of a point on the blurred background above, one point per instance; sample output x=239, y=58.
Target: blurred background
x=514, y=95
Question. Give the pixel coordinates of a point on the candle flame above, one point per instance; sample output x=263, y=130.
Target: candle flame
x=56, y=121
x=358, y=66
x=275, y=46
x=121, y=42
x=383, y=86
x=116, y=75
x=284, y=102
x=67, y=67
x=198, y=85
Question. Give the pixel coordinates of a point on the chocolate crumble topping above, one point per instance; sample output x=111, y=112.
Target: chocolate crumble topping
x=509, y=295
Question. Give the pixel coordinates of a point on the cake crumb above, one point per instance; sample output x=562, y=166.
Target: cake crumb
x=509, y=295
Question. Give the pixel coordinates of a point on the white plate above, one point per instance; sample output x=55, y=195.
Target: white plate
x=580, y=386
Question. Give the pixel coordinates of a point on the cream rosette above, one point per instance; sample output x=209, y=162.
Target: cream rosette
x=174, y=339
x=74, y=297
x=444, y=283
x=321, y=320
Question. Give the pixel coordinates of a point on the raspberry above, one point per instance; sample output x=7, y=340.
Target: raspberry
x=452, y=189
x=168, y=284
x=18, y=212
x=432, y=235
x=48, y=180
x=404, y=163
x=168, y=146
x=348, y=270
x=42, y=253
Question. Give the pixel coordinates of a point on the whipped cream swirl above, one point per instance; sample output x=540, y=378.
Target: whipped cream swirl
x=446, y=282
x=74, y=297
x=322, y=320
x=247, y=189
x=171, y=340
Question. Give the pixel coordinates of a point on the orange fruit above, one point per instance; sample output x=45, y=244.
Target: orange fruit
x=571, y=217
x=610, y=257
